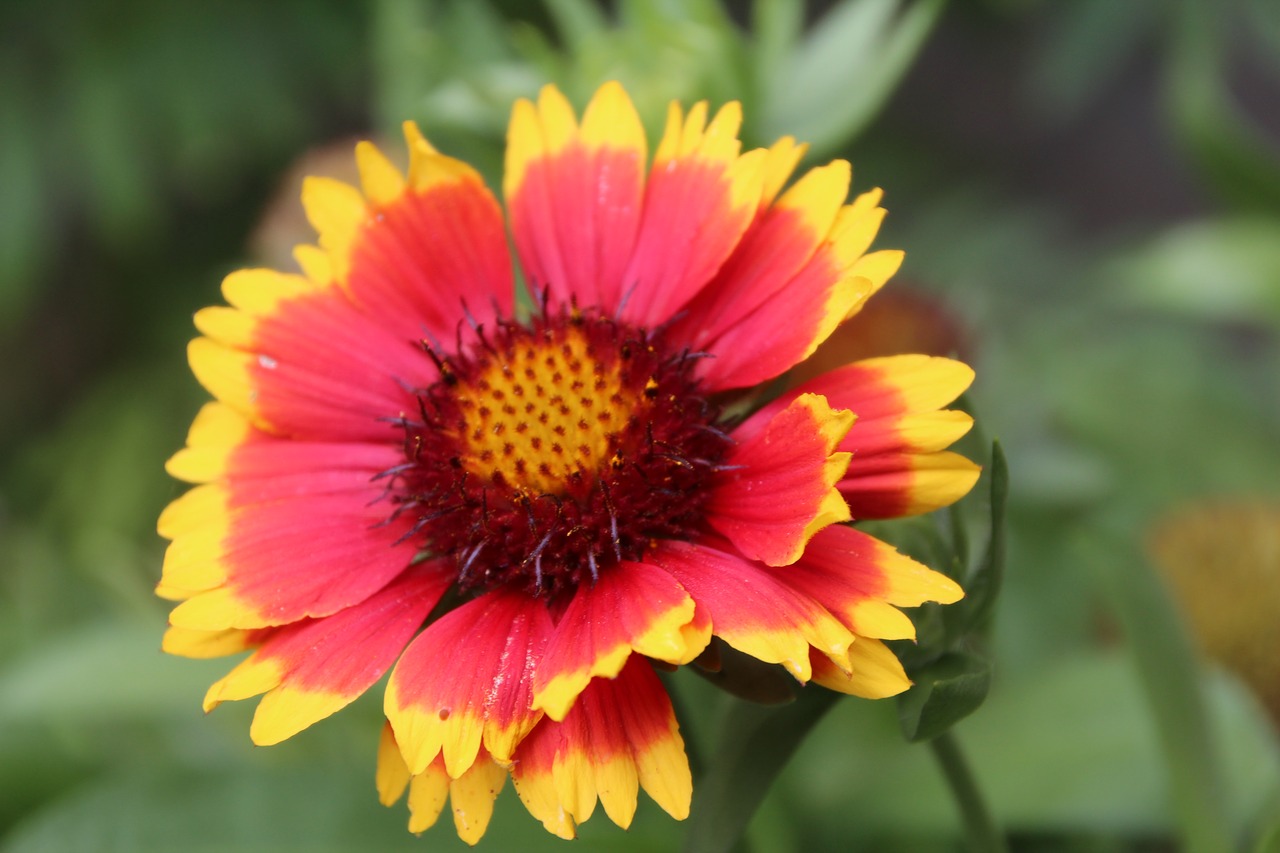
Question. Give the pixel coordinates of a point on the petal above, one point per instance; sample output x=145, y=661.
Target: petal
x=780, y=241
x=216, y=431
x=467, y=680
x=620, y=736
x=207, y=644
x=782, y=159
x=279, y=542
x=303, y=361
x=699, y=200
x=779, y=486
x=314, y=668
x=802, y=260
x=533, y=774
x=899, y=466
x=575, y=194
x=428, y=792
x=869, y=670
x=418, y=253
x=472, y=796
x=783, y=331
x=860, y=579
x=897, y=485
x=751, y=610
x=632, y=607
x=392, y=775
x=890, y=386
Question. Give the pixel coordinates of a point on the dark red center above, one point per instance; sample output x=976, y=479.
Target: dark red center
x=548, y=453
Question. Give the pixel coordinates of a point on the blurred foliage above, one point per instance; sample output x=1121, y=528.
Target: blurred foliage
x=1128, y=362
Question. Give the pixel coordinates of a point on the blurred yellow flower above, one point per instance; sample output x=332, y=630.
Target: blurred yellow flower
x=1222, y=561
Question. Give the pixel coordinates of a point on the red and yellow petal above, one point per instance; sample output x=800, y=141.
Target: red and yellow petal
x=216, y=431
x=467, y=681
x=802, y=257
x=312, y=668
x=276, y=541
x=752, y=610
x=189, y=643
x=863, y=581
x=471, y=795
x=780, y=162
x=699, y=200
x=574, y=194
x=897, y=485
x=780, y=242
x=633, y=607
x=869, y=670
x=894, y=385
x=414, y=252
x=779, y=486
x=619, y=737
x=301, y=360
x=899, y=466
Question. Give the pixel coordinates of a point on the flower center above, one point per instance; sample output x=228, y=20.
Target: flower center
x=543, y=412
x=548, y=453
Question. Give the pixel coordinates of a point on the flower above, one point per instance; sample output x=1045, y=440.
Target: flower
x=523, y=513
x=1221, y=560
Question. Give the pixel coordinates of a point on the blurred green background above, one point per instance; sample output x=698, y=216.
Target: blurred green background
x=1091, y=188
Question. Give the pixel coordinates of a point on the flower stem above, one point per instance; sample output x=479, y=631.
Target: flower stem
x=981, y=832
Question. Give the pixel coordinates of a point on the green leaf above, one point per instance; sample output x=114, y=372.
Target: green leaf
x=755, y=744
x=982, y=587
x=775, y=27
x=102, y=673
x=578, y=22
x=1231, y=151
x=399, y=45
x=1170, y=677
x=1269, y=842
x=838, y=78
x=1065, y=746
x=1222, y=269
x=316, y=807
x=944, y=693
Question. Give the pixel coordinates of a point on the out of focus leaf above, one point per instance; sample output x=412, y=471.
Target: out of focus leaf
x=318, y=809
x=756, y=742
x=1167, y=667
x=1230, y=151
x=578, y=22
x=402, y=58
x=102, y=673
x=775, y=27
x=1269, y=842
x=1084, y=717
x=982, y=587
x=944, y=693
x=840, y=75
x=1220, y=269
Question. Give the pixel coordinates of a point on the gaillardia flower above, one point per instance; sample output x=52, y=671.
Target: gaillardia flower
x=524, y=511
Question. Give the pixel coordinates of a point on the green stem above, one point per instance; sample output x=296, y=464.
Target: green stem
x=981, y=832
